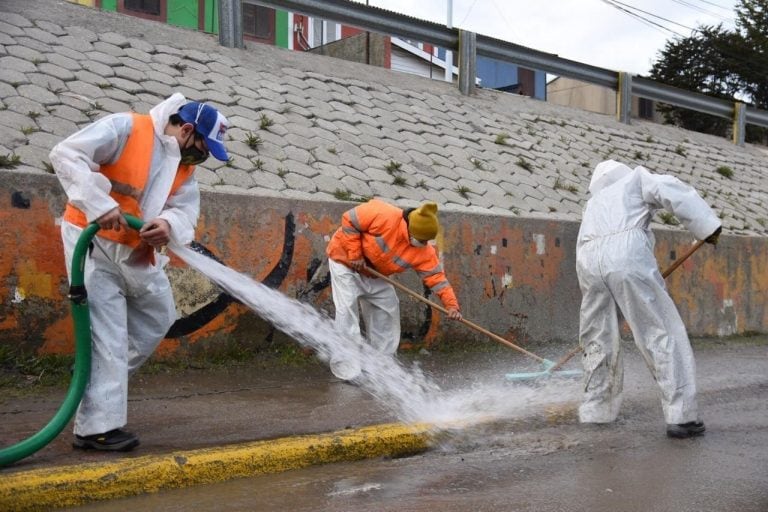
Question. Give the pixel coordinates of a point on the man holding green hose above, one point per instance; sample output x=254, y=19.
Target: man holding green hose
x=141, y=165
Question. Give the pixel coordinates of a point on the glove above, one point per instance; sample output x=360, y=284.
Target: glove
x=714, y=237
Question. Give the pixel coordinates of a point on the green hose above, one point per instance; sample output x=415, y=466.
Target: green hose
x=82, y=371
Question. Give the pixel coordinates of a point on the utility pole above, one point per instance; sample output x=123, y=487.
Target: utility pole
x=448, y=52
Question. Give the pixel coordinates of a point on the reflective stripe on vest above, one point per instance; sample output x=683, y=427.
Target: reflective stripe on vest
x=128, y=176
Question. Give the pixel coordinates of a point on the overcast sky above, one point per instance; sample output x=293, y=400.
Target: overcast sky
x=588, y=31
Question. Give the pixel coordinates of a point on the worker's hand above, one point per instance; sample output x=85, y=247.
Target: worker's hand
x=454, y=314
x=113, y=219
x=357, y=265
x=714, y=237
x=156, y=232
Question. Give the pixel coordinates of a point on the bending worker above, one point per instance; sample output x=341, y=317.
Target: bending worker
x=616, y=267
x=141, y=164
x=389, y=240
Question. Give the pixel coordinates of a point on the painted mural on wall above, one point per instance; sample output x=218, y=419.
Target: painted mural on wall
x=515, y=277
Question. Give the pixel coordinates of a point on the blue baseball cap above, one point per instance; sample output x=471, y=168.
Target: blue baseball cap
x=209, y=123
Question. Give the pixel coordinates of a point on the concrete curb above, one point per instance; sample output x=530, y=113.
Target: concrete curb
x=67, y=486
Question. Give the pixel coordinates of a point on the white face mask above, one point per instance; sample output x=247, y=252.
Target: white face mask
x=416, y=243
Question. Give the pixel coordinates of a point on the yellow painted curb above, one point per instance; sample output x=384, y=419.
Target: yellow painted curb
x=67, y=486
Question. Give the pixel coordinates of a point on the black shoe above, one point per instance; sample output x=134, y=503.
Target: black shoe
x=684, y=430
x=117, y=440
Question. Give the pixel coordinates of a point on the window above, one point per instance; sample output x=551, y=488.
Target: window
x=143, y=6
x=259, y=23
x=645, y=108
x=527, y=79
x=147, y=9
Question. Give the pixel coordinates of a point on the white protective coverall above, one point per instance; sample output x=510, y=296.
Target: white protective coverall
x=378, y=302
x=616, y=266
x=131, y=306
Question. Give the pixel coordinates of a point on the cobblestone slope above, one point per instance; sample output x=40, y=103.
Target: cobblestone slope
x=311, y=127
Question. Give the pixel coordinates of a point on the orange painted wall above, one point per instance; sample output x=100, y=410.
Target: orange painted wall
x=514, y=277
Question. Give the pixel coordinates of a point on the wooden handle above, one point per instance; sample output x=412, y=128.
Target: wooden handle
x=564, y=360
x=443, y=310
x=679, y=261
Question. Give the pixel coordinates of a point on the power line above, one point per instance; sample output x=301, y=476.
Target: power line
x=702, y=10
x=654, y=15
x=621, y=6
x=642, y=19
x=461, y=23
x=729, y=9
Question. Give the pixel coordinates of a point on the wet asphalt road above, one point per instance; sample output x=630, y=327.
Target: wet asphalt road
x=546, y=461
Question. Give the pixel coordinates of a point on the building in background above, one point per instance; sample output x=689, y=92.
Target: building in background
x=304, y=33
x=573, y=93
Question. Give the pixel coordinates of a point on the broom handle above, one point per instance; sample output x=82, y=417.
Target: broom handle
x=443, y=310
x=679, y=261
x=564, y=360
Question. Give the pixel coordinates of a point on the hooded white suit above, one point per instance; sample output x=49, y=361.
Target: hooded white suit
x=131, y=306
x=616, y=266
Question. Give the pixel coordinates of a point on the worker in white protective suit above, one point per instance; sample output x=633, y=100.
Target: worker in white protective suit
x=141, y=165
x=616, y=267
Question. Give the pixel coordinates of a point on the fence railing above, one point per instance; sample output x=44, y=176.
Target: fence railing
x=469, y=45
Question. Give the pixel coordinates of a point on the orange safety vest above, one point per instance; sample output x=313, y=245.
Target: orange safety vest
x=128, y=176
x=378, y=232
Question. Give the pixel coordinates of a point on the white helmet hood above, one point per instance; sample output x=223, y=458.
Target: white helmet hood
x=607, y=173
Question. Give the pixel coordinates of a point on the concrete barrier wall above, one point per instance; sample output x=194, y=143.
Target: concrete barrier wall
x=513, y=276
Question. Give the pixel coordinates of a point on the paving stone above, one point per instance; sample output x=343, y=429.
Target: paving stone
x=141, y=45
x=6, y=90
x=11, y=29
x=268, y=180
x=127, y=73
x=57, y=59
x=10, y=63
x=85, y=90
x=56, y=71
x=134, y=63
x=75, y=43
x=217, y=98
x=69, y=113
x=37, y=93
x=10, y=135
x=25, y=53
x=115, y=39
x=157, y=88
x=47, y=82
x=56, y=125
x=111, y=105
x=118, y=95
x=44, y=141
x=206, y=176
x=161, y=48
x=173, y=71
x=76, y=101
x=235, y=177
x=107, y=59
x=163, y=78
x=300, y=183
x=99, y=68
x=26, y=107
x=223, y=82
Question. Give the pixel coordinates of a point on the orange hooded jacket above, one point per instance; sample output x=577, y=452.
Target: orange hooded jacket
x=378, y=232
